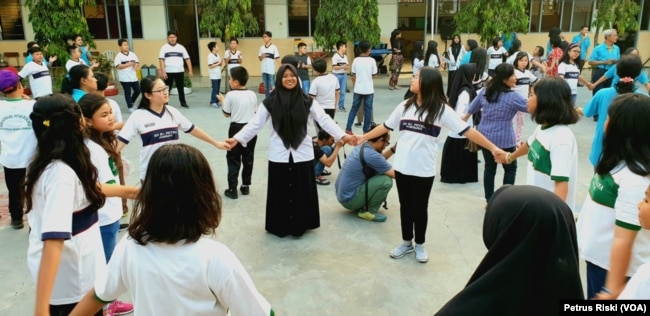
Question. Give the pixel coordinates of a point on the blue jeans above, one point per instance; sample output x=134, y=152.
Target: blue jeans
x=343, y=84
x=305, y=86
x=216, y=84
x=130, y=98
x=269, y=83
x=367, y=109
x=318, y=166
x=109, y=238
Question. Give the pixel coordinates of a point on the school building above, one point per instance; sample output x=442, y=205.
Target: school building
x=292, y=21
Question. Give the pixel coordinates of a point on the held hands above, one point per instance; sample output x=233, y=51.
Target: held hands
x=232, y=143
x=499, y=155
x=224, y=145
x=590, y=86
x=579, y=110
x=351, y=139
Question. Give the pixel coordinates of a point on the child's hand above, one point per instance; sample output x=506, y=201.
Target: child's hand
x=579, y=110
x=223, y=145
x=232, y=143
x=220, y=97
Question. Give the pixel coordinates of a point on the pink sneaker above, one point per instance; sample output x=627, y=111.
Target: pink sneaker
x=119, y=308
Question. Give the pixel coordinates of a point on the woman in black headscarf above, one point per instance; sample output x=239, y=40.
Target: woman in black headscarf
x=292, y=199
x=532, y=259
x=454, y=54
x=458, y=163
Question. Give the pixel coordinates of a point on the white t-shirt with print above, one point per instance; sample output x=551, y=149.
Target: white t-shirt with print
x=363, y=68
x=232, y=58
x=495, y=56
x=107, y=173
x=187, y=278
x=127, y=74
x=40, y=81
x=155, y=130
x=270, y=54
x=71, y=63
x=339, y=60
x=553, y=156
x=174, y=57
x=525, y=79
x=215, y=73
x=418, y=142
x=16, y=134
x=571, y=74
x=324, y=88
x=60, y=211
x=612, y=202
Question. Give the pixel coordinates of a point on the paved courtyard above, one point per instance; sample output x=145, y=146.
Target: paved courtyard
x=342, y=268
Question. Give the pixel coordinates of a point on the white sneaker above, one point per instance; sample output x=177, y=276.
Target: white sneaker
x=401, y=250
x=421, y=254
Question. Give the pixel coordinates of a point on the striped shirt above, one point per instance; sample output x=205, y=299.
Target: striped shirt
x=496, y=117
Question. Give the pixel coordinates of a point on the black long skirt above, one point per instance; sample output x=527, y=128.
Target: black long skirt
x=292, y=198
x=459, y=165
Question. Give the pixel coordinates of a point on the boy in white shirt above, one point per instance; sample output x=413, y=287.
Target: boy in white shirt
x=325, y=88
x=364, y=69
x=127, y=63
x=40, y=81
x=17, y=140
x=340, y=70
x=171, y=57
x=214, y=66
x=270, y=57
x=233, y=57
x=239, y=105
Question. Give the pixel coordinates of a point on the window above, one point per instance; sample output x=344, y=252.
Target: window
x=302, y=17
x=645, y=16
x=11, y=21
x=582, y=12
x=551, y=10
x=106, y=20
x=533, y=11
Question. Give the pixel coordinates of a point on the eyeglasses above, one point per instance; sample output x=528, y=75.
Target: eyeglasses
x=162, y=91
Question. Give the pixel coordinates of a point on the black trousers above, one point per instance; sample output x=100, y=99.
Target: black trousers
x=13, y=179
x=413, y=193
x=177, y=77
x=595, y=75
x=238, y=157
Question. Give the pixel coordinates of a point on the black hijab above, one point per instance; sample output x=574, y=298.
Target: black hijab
x=289, y=109
x=462, y=81
x=455, y=48
x=532, y=258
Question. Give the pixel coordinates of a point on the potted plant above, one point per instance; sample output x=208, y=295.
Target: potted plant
x=188, y=86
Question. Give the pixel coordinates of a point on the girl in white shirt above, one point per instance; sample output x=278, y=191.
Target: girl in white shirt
x=176, y=211
x=419, y=120
x=62, y=198
x=432, y=58
x=569, y=71
x=418, y=56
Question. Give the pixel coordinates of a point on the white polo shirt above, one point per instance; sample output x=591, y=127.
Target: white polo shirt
x=232, y=58
x=174, y=57
x=270, y=54
x=127, y=74
x=215, y=73
x=339, y=60
x=571, y=74
x=71, y=63
x=155, y=130
x=364, y=68
x=16, y=133
x=40, y=81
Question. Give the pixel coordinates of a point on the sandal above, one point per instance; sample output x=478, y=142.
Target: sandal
x=326, y=173
x=322, y=181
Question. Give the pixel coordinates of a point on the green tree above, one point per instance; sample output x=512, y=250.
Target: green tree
x=56, y=21
x=620, y=14
x=227, y=18
x=489, y=18
x=347, y=20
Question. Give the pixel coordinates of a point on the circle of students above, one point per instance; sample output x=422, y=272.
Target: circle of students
x=62, y=153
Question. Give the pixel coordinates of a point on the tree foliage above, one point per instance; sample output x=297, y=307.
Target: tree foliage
x=57, y=21
x=620, y=14
x=227, y=18
x=489, y=18
x=347, y=20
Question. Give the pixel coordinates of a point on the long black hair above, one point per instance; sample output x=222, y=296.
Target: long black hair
x=431, y=93
x=566, y=58
x=554, y=103
x=73, y=79
x=417, y=50
x=89, y=104
x=497, y=85
x=463, y=81
x=455, y=48
x=626, y=135
x=627, y=68
x=56, y=121
x=432, y=49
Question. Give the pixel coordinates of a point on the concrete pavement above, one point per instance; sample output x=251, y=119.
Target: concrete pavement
x=342, y=268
